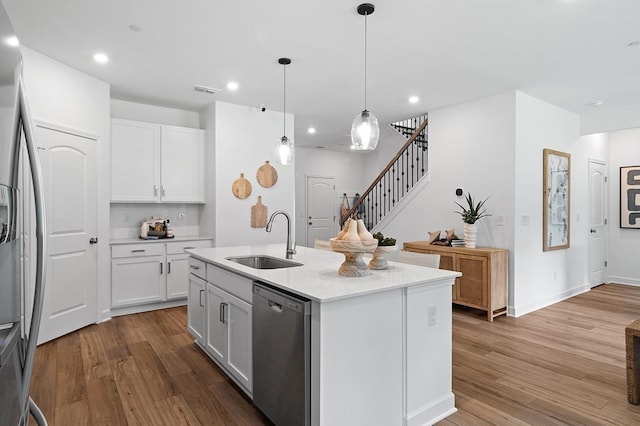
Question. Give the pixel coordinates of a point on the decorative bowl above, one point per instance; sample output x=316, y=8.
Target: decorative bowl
x=379, y=261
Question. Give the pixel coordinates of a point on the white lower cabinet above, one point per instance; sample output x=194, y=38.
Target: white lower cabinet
x=196, y=300
x=228, y=326
x=150, y=272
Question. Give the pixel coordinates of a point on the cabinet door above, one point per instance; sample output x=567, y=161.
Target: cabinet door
x=182, y=170
x=217, y=306
x=135, y=161
x=472, y=285
x=448, y=262
x=239, y=345
x=137, y=280
x=196, y=308
x=177, y=275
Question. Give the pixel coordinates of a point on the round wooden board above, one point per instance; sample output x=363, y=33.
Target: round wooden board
x=267, y=175
x=241, y=187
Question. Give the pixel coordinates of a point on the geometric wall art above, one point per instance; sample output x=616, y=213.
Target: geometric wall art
x=630, y=197
x=556, y=213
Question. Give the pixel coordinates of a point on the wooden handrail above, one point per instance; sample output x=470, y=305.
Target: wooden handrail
x=354, y=208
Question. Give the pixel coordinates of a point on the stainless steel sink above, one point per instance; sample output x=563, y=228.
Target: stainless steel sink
x=263, y=262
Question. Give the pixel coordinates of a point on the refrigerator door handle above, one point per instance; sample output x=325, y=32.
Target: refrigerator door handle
x=41, y=243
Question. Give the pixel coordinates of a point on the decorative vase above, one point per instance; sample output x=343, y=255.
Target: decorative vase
x=379, y=261
x=470, y=233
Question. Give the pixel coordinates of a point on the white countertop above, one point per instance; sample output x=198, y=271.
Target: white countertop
x=318, y=278
x=116, y=241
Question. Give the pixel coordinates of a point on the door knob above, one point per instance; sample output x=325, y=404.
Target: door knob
x=310, y=223
x=593, y=231
x=93, y=240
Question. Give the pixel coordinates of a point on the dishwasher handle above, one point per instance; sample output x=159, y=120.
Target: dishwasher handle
x=277, y=307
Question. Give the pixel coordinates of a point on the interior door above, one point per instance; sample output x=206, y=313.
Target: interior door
x=321, y=212
x=597, y=221
x=68, y=163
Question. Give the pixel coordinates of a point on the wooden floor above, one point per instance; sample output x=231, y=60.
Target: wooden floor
x=564, y=364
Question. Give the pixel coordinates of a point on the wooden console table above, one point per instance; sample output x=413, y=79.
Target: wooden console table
x=484, y=281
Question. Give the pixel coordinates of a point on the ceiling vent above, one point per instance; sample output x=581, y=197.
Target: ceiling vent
x=205, y=89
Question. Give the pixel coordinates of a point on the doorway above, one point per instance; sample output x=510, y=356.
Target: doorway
x=68, y=161
x=597, y=222
x=321, y=210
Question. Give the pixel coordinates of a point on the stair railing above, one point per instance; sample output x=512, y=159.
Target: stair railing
x=404, y=170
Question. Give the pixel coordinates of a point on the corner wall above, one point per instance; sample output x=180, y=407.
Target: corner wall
x=624, y=244
x=245, y=138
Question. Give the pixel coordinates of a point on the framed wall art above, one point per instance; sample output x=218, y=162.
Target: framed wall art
x=556, y=200
x=630, y=197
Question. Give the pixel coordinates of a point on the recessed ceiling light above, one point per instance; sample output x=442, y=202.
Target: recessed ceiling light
x=311, y=130
x=596, y=104
x=634, y=43
x=413, y=99
x=12, y=41
x=101, y=58
x=135, y=28
x=232, y=85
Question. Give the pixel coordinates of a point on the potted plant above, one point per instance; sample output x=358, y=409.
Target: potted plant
x=471, y=213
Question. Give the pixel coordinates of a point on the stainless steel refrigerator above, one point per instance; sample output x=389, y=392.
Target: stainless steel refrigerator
x=20, y=299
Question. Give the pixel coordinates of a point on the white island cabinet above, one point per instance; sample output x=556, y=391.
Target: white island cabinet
x=380, y=345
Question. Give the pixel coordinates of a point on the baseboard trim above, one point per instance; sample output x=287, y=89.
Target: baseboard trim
x=432, y=413
x=126, y=310
x=523, y=310
x=614, y=279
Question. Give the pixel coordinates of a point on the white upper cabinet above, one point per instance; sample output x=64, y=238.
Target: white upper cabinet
x=156, y=163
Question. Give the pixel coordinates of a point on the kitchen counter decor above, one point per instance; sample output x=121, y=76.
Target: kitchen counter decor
x=241, y=187
x=385, y=246
x=353, y=241
x=267, y=175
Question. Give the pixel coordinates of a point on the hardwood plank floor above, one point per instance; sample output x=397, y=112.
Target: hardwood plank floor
x=561, y=365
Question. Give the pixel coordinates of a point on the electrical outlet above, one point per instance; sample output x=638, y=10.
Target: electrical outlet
x=181, y=216
x=126, y=218
x=432, y=316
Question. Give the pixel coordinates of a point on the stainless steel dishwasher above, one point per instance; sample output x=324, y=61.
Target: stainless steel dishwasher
x=281, y=356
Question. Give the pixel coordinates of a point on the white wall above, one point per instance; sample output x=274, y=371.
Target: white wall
x=350, y=171
x=541, y=278
x=624, y=244
x=245, y=138
x=208, y=211
x=471, y=146
x=154, y=114
x=66, y=97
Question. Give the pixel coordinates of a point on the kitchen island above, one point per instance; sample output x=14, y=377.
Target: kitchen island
x=380, y=344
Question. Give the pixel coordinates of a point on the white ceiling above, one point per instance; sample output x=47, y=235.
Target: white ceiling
x=567, y=52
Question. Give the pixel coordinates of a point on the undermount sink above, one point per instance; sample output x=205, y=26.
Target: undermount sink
x=263, y=262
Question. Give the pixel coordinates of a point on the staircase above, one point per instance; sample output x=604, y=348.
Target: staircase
x=401, y=174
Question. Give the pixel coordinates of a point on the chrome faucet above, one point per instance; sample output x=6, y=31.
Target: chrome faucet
x=290, y=249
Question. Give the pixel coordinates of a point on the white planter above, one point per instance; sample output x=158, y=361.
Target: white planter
x=470, y=233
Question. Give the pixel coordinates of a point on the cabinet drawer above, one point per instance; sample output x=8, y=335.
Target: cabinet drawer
x=179, y=247
x=231, y=283
x=135, y=250
x=198, y=268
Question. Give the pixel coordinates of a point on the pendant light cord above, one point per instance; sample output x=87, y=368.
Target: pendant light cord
x=365, y=60
x=284, y=100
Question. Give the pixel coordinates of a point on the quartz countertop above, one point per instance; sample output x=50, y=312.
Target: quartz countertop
x=116, y=241
x=317, y=279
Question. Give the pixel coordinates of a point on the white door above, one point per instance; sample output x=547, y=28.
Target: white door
x=182, y=169
x=216, y=341
x=321, y=211
x=196, y=311
x=177, y=276
x=69, y=176
x=597, y=221
x=238, y=320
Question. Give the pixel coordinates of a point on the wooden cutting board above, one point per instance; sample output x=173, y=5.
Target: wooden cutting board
x=267, y=175
x=259, y=214
x=241, y=187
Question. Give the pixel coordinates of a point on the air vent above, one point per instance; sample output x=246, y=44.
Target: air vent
x=205, y=89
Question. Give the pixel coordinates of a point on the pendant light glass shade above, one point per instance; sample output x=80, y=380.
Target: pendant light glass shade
x=284, y=147
x=365, y=131
x=284, y=151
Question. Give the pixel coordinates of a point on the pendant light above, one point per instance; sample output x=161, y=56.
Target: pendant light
x=365, y=130
x=284, y=147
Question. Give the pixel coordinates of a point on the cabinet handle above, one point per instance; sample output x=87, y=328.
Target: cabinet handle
x=221, y=313
x=138, y=251
x=188, y=248
x=194, y=267
x=168, y=267
x=160, y=268
x=163, y=190
x=224, y=312
x=201, y=292
x=155, y=190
